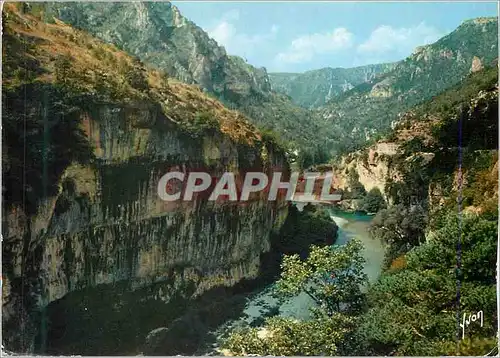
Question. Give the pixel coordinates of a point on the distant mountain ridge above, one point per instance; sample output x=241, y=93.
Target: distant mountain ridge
x=373, y=107
x=314, y=88
x=161, y=37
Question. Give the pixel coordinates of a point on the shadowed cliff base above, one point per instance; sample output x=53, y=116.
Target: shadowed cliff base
x=113, y=320
x=116, y=319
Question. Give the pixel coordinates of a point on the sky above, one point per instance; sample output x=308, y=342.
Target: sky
x=302, y=36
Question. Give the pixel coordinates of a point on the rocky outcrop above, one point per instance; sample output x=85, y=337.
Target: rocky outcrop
x=84, y=229
x=476, y=64
x=422, y=151
x=373, y=167
x=107, y=223
x=373, y=106
x=382, y=89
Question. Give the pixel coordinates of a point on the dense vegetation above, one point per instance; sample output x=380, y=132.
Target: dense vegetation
x=414, y=309
x=301, y=229
x=169, y=42
x=373, y=201
x=331, y=276
x=175, y=45
x=421, y=280
x=54, y=75
x=441, y=236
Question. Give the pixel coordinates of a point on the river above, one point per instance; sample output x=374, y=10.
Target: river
x=262, y=303
x=356, y=225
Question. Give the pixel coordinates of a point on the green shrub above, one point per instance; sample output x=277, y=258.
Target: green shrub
x=202, y=124
x=373, y=201
x=136, y=76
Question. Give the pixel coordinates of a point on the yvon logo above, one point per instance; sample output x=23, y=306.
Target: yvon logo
x=478, y=316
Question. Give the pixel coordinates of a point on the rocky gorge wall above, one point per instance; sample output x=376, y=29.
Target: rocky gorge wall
x=106, y=225
x=419, y=160
x=373, y=169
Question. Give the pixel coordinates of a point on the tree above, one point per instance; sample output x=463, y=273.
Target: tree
x=305, y=159
x=301, y=229
x=137, y=76
x=357, y=190
x=65, y=74
x=400, y=227
x=373, y=201
x=478, y=245
x=331, y=276
x=413, y=311
x=321, y=336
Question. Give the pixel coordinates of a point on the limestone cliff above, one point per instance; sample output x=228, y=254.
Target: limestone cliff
x=373, y=167
x=417, y=160
x=88, y=132
x=372, y=107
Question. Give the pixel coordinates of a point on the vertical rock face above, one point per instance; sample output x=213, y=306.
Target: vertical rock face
x=424, y=146
x=82, y=219
x=372, y=166
x=161, y=37
x=476, y=64
x=430, y=70
x=107, y=224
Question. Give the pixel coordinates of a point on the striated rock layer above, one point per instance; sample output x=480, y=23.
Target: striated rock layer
x=107, y=223
x=424, y=148
x=82, y=221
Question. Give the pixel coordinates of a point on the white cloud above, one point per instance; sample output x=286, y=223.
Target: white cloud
x=237, y=43
x=223, y=33
x=304, y=48
x=386, y=39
